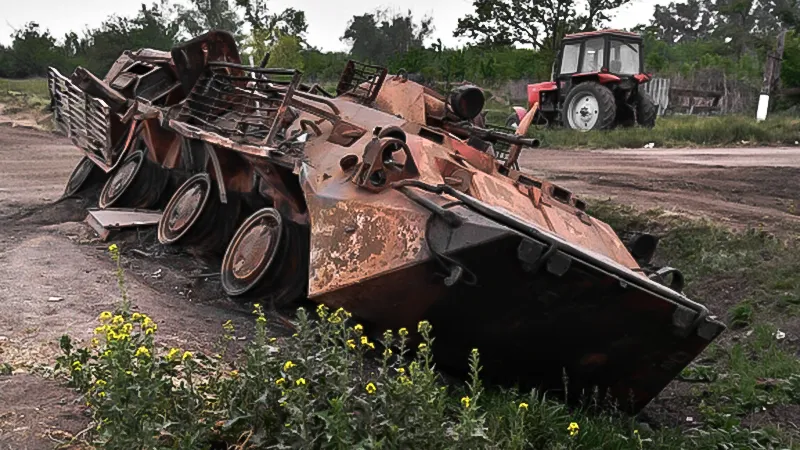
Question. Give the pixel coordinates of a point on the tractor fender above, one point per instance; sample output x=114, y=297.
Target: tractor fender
x=534, y=91
x=520, y=111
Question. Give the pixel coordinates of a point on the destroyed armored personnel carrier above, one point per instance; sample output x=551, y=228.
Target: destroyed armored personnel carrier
x=385, y=198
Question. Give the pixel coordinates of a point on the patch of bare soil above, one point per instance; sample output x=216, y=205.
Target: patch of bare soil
x=760, y=187
x=37, y=413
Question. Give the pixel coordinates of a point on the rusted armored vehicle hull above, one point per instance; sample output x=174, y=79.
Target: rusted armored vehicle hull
x=385, y=199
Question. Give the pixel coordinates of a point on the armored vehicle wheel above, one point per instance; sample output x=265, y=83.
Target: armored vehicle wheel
x=195, y=216
x=137, y=183
x=184, y=209
x=266, y=259
x=589, y=106
x=85, y=173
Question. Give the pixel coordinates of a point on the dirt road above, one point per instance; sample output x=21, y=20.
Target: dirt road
x=740, y=187
x=55, y=276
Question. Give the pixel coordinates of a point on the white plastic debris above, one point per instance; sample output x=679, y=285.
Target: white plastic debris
x=55, y=299
x=650, y=145
x=780, y=335
x=690, y=419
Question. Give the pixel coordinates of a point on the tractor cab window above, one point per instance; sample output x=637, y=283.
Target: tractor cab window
x=593, y=52
x=624, y=58
x=569, y=60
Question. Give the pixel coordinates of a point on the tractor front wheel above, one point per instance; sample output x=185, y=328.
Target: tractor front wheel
x=512, y=121
x=589, y=106
x=645, y=110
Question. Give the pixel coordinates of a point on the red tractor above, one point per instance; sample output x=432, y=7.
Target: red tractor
x=597, y=85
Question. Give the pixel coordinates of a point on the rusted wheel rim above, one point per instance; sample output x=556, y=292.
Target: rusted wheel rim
x=252, y=251
x=79, y=176
x=184, y=208
x=120, y=180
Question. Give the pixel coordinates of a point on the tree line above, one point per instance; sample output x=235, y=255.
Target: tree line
x=507, y=39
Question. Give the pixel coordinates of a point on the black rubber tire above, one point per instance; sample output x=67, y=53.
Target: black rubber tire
x=646, y=110
x=607, y=106
x=512, y=121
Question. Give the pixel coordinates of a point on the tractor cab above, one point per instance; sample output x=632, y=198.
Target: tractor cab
x=595, y=84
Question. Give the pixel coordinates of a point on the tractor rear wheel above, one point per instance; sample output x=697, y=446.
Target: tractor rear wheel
x=645, y=110
x=589, y=106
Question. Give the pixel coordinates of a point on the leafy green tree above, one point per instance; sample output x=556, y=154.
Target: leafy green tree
x=31, y=52
x=205, y=15
x=269, y=26
x=379, y=36
x=539, y=23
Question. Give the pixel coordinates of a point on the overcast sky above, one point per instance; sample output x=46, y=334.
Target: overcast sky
x=327, y=19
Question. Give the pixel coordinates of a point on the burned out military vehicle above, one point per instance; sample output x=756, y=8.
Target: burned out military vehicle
x=385, y=198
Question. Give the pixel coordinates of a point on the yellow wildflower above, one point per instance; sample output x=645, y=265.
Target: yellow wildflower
x=105, y=316
x=364, y=340
x=401, y=370
x=280, y=381
x=186, y=355
x=173, y=352
x=424, y=326
x=322, y=311
x=404, y=380
x=149, y=331
x=358, y=328
x=95, y=342
x=261, y=319
x=100, y=330
x=371, y=388
x=127, y=328
x=465, y=401
x=351, y=343
x=387, y=353
x=228, y=326
x=271, y=340
x=234, y=373
x=100, y=382
x=117, y=320
x=523, y=406
x=77, y=366
x=300, y=381
x=288, y=365
x=142, y=351
x=403, y=332
x=371, y=345
x=148, y=323
x=423, y=346
x=257, y=308
x=101, y=394
x=136, y=316
x=573, y=428
x=107, y=353
x=113, y=248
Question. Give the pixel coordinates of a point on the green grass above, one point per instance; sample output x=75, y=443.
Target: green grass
x=680, y=131
x=750, y=369
x=30, y=86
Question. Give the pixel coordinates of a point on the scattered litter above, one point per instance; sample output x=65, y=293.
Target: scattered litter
x=745, y=142
x=690, y=419
x=650, y=145
x=55, y=299
x=779, y=335
x=156, y=274
x=749, y=333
